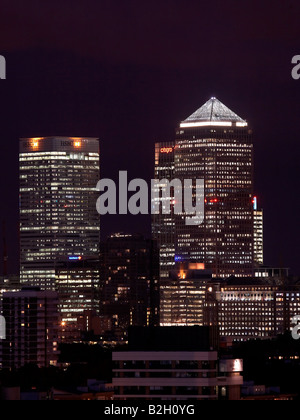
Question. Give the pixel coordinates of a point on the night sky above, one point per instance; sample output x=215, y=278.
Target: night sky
x=129, y=71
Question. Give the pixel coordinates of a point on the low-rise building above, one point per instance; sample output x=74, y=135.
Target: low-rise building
x=175, y=363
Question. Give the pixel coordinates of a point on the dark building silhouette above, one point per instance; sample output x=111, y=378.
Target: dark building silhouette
x=129, y=286
x=175, y=363
x=32, y=319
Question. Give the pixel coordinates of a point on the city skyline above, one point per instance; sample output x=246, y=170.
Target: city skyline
x=149, y=234
x=145, y=231
x=133, y=93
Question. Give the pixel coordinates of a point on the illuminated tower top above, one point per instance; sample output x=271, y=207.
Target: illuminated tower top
x=213, y=113
x=40, y=145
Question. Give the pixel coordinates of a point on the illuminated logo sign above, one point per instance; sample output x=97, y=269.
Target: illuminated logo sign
x=71, y=143
x=166, y=150
x=32, y=143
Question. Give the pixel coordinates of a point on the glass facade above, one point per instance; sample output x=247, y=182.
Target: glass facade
x=258, y=237
x=223, y=158
x=58, y=217
x=214, y=144
x=182, y=301
x=163, y=225
x=78, y=289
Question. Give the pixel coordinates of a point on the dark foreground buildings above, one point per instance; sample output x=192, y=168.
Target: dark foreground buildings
x=31, y=328
x=175, y=364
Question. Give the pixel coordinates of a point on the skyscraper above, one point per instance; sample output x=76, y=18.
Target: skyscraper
x=214, y=144
x=58, y=217
x=78, y=282
x=177, y=363
x=163, y=225
x=129, y=290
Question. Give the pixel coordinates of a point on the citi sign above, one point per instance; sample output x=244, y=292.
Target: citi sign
x=184, y=198
x=166, y=150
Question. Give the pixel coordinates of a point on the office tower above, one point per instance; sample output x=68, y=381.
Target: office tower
x=78, y=281
x=251, y=308
x=182, y=301
x=58, y=217
x=258, y=233
x=175, y=364
x=214, y=144
x=163, y=225
x=31, y=328
x=129, y=287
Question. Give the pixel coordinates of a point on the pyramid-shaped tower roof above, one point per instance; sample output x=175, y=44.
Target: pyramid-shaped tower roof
x=213, y=113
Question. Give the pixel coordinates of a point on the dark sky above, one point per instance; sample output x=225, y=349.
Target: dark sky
x=129, y=71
